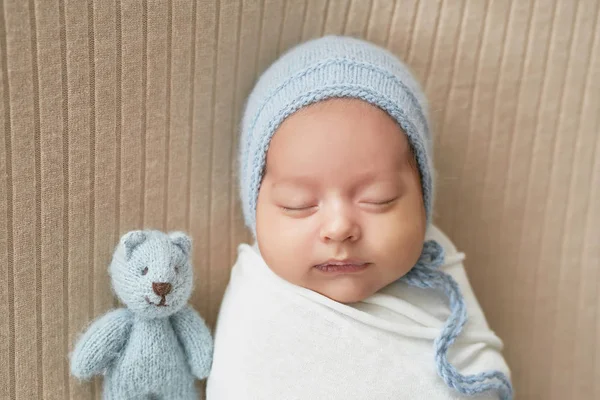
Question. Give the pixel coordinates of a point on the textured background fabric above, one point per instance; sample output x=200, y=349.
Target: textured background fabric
x=120, y=114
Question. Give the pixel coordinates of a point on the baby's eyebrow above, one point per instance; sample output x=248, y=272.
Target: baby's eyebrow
x=293, y=183
x=372, y=177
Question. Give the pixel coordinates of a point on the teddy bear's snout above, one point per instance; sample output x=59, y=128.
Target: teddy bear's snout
x=161, y=288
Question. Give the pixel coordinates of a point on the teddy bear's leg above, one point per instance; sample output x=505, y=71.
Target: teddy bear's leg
x=108, y=390
x=111, y=392
x=115, y=395
x=116, y=392
x=184, y=392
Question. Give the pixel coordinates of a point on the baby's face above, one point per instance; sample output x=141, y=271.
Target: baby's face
x=340, y=208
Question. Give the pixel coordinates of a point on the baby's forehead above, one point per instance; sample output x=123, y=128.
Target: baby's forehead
x=340, y=122
x=339, y=112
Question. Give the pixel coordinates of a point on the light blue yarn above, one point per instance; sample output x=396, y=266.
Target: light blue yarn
x=147, y=351
x=336, y=67
x=426, y=274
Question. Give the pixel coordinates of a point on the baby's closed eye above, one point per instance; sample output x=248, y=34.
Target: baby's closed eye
x=381, y=201
x=295, y=202
x=299, y=210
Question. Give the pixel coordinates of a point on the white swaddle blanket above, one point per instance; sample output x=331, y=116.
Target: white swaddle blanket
x=275, y=340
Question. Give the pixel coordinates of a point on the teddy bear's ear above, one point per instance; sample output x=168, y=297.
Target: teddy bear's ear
x=131, y=240
x=182, y=241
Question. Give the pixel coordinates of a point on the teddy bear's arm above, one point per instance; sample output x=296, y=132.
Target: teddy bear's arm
x=101, y=343
x=196, y=339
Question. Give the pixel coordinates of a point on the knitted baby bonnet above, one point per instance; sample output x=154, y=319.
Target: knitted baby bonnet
x=330, y=67
x=346, y=67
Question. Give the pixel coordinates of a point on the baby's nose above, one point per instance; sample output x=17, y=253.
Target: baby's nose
x=339, y=226
x=161, y=288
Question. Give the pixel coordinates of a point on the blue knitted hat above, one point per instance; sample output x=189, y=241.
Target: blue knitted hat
x=321, y=69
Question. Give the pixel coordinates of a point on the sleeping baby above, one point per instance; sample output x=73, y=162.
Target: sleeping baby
x=349, y=291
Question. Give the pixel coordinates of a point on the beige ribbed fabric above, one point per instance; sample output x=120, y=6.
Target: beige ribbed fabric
x=116, y=115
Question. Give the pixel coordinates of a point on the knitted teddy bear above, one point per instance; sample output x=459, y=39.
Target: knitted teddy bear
x=158, y=345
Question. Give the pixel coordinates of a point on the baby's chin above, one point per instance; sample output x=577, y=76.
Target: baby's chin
x=347, y=290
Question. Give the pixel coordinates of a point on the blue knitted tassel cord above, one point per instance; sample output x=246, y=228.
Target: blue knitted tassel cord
x=426, y=274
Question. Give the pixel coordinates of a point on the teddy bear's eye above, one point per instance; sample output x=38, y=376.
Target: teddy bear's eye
x=145, y=271
x=177, y=269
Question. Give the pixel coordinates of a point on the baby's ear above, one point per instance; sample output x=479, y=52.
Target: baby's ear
x=131, y=240
x=182, y=241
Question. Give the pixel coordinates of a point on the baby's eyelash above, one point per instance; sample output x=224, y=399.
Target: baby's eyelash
x=385, y=202
x=295, y=208
x=380, y=203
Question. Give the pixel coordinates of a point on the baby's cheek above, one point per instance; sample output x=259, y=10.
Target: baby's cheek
x=395, y=250
x=297, y=235
x=282, y=251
